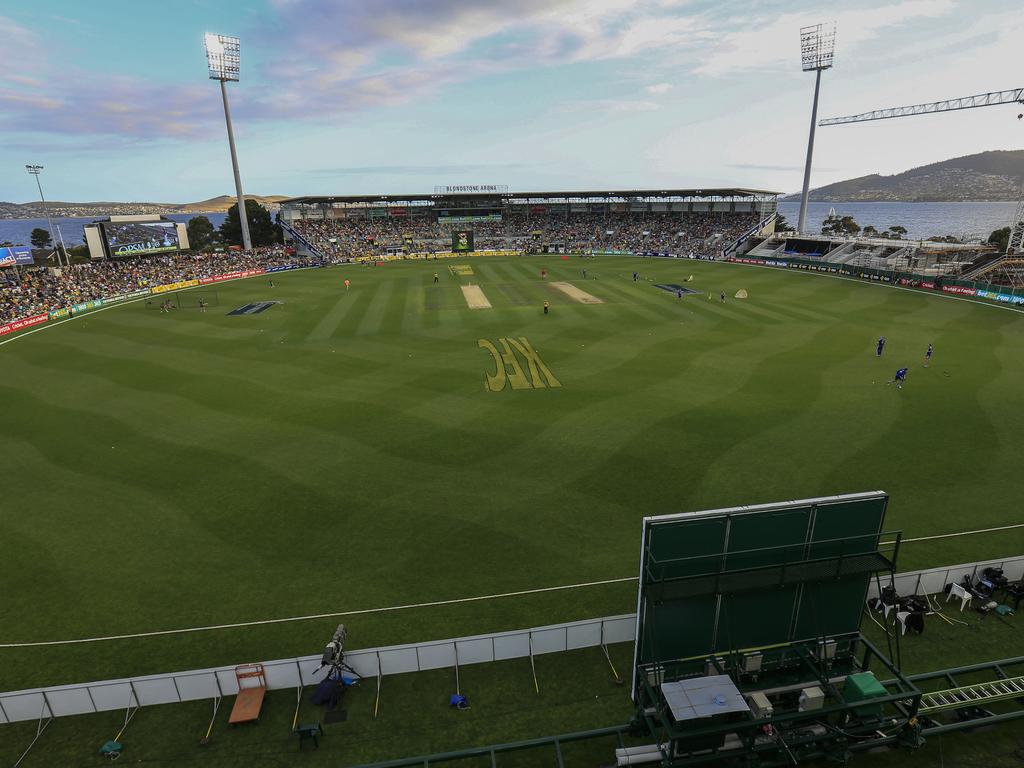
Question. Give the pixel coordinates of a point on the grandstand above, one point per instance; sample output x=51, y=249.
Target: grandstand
x=696, y=223
x=921, y=257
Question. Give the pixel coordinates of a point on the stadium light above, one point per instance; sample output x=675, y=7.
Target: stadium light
x=35, y=170
x=223, y=59
x=817, y=46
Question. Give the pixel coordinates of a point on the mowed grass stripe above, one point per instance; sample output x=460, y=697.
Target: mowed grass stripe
x=666, y=405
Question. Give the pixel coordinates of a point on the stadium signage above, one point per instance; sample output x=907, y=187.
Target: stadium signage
x=27, y=322
x=959, y=289
x=174, y=286
x=228, y=276
x=509, y=373
x=454, y=189
x=9, y=257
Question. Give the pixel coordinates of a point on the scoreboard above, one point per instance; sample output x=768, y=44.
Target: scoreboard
x=462, y=241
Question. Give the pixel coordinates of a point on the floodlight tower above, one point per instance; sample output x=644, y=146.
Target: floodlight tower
x=817, y=44
x=223, y=57
x=35, y=170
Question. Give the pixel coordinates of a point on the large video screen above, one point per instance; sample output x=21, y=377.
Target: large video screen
x=131, y=238
x=462, y=240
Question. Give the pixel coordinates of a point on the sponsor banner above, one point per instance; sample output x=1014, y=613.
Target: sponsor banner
x=20, y=255
x=228, y=276
x=958, y=289
x=86, y=306
x=57, y=314
x=27, y=322
x=285, y=268
x=174, y=286
x=126, y=296
x=1006, y=298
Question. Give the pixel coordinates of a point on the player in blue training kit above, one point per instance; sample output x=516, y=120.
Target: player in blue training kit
x=901, y=376
x=880, y=347
x=928, y=355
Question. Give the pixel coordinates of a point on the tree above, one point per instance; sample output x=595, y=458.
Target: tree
x=201, y=233
x=262, y=229
x=870, y=231
x=1000, y=239
x=896, y=232
x=842, y=226
x=944, y=239
x=40, y=238
x=781, y=225
x=6, y=244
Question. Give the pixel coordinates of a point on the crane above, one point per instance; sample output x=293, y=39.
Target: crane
x=991, y=99
x=1013, y=96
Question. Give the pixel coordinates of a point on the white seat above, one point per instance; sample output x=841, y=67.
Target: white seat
x=958, y=591
x=901, y=618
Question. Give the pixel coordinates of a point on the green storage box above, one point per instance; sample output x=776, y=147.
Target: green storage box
x=864, y=686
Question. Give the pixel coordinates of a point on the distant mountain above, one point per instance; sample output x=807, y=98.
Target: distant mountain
x=222, y=203
x=34, y=210
x=986, y=176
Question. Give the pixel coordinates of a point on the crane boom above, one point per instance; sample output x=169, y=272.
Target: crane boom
x=1015, y=95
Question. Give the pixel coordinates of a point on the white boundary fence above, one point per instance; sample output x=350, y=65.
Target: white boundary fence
x=934, y=580
x=110, y=695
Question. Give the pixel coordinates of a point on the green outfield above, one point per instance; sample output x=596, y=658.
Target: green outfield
x=358, y=449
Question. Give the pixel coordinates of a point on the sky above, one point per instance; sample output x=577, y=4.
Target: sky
x=397, y=96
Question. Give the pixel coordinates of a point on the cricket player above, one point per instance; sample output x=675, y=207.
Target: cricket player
x=928, y=355
x=880, y=347
x=901, y=376
x=546, y=307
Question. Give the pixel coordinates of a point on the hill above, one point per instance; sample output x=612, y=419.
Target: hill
x=220, y=204
x=986, y=176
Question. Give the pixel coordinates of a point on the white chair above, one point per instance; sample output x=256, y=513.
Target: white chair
x=901, y=619
x=958, y=591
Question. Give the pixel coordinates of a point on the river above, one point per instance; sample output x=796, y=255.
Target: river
x=73, y=228
x=922, y=220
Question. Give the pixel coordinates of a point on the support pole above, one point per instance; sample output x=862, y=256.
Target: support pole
x=242, y=218
x=801, y=226
x=380, y=674
x=533, y=668
x=41, y=725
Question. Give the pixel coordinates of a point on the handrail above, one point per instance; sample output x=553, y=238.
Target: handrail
x=294, y=233
x=490, y=751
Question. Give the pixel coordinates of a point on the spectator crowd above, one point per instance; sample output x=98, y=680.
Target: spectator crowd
x=26, y=292
x=693, y=234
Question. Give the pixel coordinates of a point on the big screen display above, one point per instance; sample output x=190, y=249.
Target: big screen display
x=462, y=240
x=131, y=238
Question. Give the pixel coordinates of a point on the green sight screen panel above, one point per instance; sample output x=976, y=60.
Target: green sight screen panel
x=749, y=577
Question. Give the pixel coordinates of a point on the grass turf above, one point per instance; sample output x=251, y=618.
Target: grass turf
x=340, y=451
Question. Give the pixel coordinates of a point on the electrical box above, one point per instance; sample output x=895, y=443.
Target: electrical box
x=863, y=686
x=811, y=699
x=826, y=650
x=760, y=706
x=751, y=662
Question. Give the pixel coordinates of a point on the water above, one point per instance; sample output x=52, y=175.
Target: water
x=922, y=220
x=73, y=228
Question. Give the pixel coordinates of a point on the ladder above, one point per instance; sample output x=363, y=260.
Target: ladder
x=971, y=695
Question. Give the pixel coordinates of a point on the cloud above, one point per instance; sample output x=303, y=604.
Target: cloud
x=658, y=88
x=769, y=167
x=772, y=41
x=416, y=170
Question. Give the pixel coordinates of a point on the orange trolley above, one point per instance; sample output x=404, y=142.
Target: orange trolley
x=252, y=686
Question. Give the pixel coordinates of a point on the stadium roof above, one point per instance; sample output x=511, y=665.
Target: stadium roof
x=623, y=194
